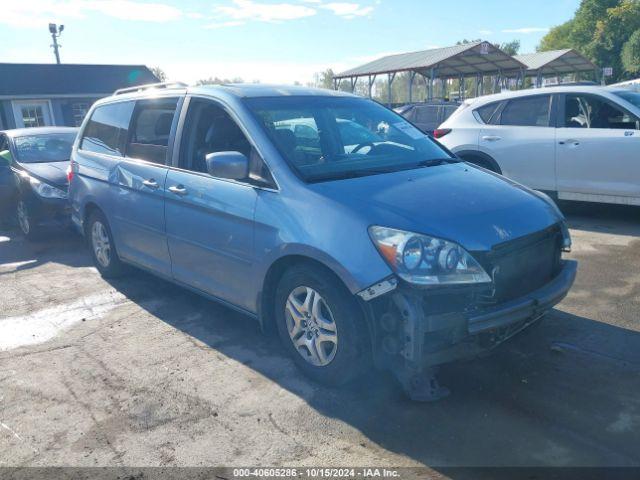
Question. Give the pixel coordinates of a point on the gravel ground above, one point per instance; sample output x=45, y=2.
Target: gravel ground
x=138, y=372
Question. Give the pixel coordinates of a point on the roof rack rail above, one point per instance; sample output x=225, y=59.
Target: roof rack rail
x=140, y=88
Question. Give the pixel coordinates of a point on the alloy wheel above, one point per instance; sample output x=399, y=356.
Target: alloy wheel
x=101, y=244
x=311, y=326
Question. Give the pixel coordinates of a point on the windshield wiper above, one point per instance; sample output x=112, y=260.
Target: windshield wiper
x=364, y=172
x=342, y=175
x=434, y=162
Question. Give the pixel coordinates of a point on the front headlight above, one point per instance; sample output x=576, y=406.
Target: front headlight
x=426, y=260
x=45, y=190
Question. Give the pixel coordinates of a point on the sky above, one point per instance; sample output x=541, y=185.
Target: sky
x=271, y=41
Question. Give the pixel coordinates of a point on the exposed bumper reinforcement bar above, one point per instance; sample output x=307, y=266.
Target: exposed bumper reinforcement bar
x=531, y=305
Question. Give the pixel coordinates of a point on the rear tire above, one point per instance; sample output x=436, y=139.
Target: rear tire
x=103, y=250
x=321, y=326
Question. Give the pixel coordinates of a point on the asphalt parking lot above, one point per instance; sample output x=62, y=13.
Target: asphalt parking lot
x=138, y=372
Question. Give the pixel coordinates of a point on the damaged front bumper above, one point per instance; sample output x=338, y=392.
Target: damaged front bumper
x=414, y=329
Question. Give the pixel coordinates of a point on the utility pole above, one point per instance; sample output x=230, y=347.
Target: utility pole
x=55, y=33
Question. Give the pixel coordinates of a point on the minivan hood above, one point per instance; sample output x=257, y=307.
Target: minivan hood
x=54, y=173
x=458, y=202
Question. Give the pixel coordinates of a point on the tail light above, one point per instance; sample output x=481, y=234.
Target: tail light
x=441, y=132
x=70, y=172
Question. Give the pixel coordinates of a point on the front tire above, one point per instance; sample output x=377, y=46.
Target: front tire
x=103, y=251
x=486, y=163
x=321, y=326
x=25, y=220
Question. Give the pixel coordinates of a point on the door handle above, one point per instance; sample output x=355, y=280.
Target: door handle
x=178, y=190
x=491, y=138
x=151, y=183
x=573, y=143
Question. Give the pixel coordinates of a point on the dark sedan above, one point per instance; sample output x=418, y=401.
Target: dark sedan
x=33, y=169
x=428, y=116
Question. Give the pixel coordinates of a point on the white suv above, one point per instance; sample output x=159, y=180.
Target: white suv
x=579, y=142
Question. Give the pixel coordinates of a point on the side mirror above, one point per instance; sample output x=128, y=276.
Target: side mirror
x=5, y=158
x=230, y=165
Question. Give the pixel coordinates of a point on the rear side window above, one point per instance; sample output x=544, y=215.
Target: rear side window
x=448, y=110
x=409, y=114
x=487, y=112
x=106, y=130
x=150, y=129
x=427, y=114
x=527, y=112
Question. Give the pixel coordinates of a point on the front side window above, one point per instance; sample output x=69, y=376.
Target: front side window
x=106, y=131
x=527, y=112
x=150, y=129
x=328, y=138
x=5, y=153
x=53, y=147
x=210, y=129
x=590, y=111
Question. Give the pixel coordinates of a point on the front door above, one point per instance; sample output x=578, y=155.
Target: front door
x=32, y=113
x=598, y=151
x=210, y=221
x=521, y=139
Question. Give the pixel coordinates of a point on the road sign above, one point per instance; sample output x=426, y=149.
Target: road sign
x=607, y=71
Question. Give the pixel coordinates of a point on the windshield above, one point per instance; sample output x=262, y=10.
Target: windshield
x=50, y=147
x=328, y=138
x=629, y=96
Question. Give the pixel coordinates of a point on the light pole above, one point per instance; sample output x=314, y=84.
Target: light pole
x=55, y=33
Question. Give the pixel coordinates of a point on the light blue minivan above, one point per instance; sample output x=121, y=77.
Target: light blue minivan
x=325, y=216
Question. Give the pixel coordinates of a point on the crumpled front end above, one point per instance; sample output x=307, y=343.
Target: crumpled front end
x=414, y=329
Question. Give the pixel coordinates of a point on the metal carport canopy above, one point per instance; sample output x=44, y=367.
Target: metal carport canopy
x=469, y=59
x=555, y=62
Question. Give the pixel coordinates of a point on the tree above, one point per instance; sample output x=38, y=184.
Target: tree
x=558, y=38
x=631, y=54
x=510, y=48
x=599, y=30
x=324, y=79
x=218, y=81
x=159, y=73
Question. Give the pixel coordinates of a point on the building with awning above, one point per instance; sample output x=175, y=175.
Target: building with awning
x=556, y=63
x=477, y=60
x=470, y=60
x=49, y=94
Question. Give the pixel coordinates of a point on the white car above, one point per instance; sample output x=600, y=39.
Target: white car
x=576, y=142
